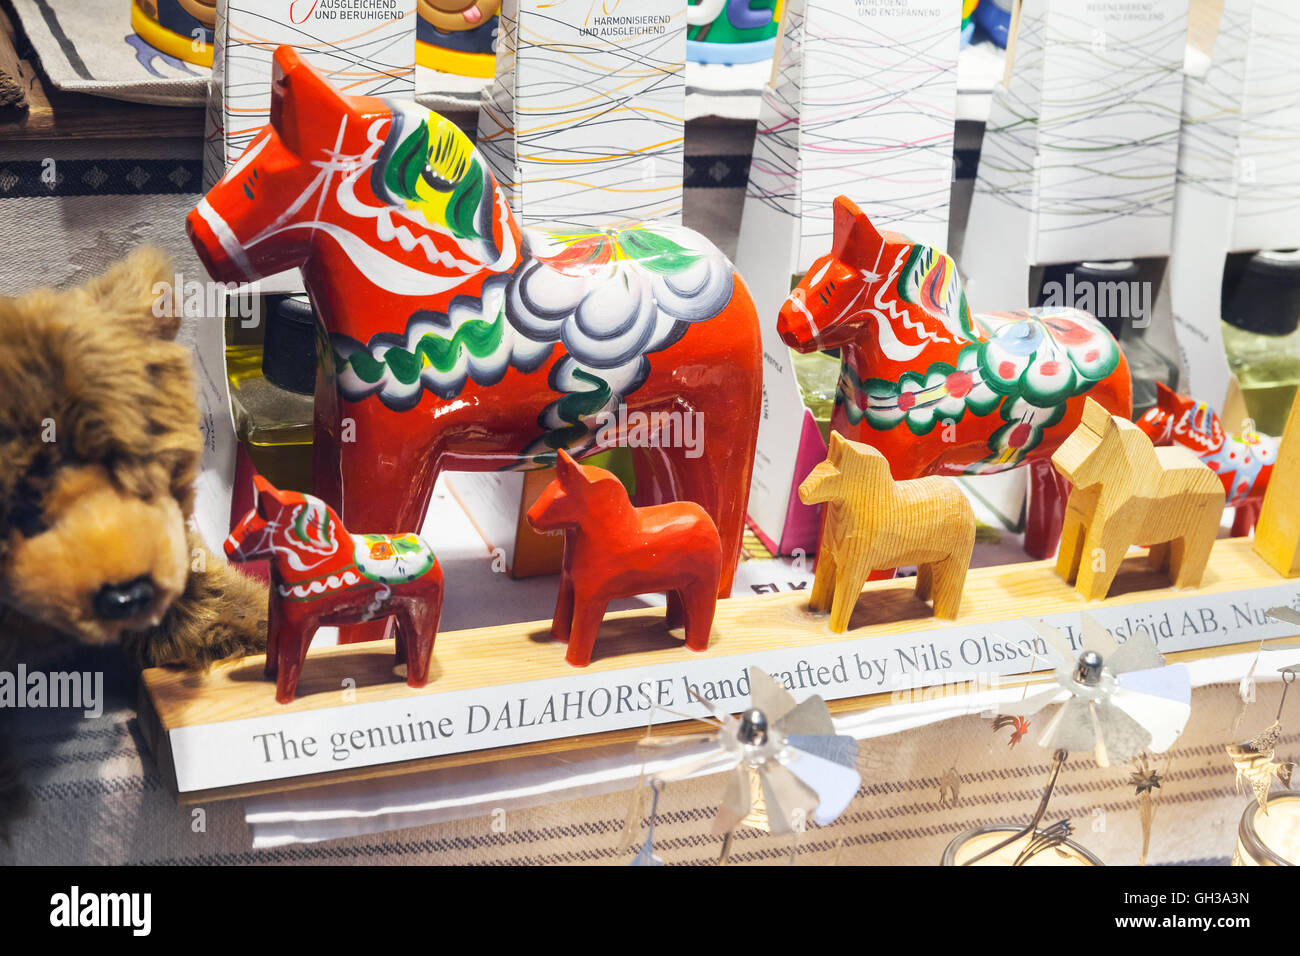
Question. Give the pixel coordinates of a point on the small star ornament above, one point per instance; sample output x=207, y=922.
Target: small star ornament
x=1144, y=778
x=1146, y=781
x=1256, y=767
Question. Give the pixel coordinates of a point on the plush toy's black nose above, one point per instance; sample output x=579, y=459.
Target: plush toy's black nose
x=114, y=602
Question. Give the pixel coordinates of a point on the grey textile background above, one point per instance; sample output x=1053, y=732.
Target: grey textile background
x=99, y=800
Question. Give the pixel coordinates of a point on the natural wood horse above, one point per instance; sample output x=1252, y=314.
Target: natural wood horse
x=1126, y=492
x=874, y=522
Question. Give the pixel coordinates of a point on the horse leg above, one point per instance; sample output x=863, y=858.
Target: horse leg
x=699, y=601
x=1073, y=534
x=1045, y=499
x=1158, y=556
x=924, y=581
x=1244, y=517
x=949, y=575
x=1108, y=543
x=562, y=622
x=949, y=579
x=588, y=612
x=1190, y=553
x=1175, y=558
x=417, y=619
x=399, y=638
x=293, y=642
x=274, y=623
x=823, y=586
x=675, y=614
x=848, y=585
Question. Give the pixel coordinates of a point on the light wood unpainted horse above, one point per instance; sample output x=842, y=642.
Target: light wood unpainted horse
x=873, y=522
x=1128, y=492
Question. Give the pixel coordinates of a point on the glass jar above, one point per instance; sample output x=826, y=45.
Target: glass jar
x=818, y=374
x=976, y=841
x=272, y=383
x=1273, y=838
x=1261, y=311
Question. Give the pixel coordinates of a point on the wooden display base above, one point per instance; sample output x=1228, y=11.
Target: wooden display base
x=336, y=679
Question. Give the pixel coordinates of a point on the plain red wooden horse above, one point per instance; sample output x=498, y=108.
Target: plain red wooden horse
x=614, y=550
x=458, y=341
x=322, y=575
x=942, y=391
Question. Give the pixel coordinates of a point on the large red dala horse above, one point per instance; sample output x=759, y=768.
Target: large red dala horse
x=459, y=341
x=938, y=390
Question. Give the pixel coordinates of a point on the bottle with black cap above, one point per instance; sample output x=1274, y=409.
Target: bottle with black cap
x=272, y=384
x=1261, y=311
x=1114, y=293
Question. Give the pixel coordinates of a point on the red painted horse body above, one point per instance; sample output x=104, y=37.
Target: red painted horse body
x=321, y=576
x=458, y=341
x=940, y=391
x=613, y=550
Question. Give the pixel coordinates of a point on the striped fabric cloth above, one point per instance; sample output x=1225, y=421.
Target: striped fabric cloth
x=99, y=800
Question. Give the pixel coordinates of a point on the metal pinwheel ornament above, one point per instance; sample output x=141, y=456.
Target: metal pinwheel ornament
x=788, y=763
x=1117, y=699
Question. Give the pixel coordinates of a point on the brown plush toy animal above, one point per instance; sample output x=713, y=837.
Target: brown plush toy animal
x=99, y=449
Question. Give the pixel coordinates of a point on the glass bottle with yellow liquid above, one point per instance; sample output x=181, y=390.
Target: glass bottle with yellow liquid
x=1261, y=312
x=818, y=374
x=271, y=369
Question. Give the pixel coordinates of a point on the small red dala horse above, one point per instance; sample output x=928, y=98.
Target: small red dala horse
x=614, y=550
x=321, y=575
x=458, y=341
x=940, y=391
x=1244, y=462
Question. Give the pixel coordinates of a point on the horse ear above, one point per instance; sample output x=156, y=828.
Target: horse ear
x=1096, y=417
x=262, y=489
x=1170, y=401
x=567, y=469
x=856, y=239
x=302, y=100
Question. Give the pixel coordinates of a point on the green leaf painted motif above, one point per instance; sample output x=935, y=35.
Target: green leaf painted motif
x=480, y=338
x=367, y=368
x=407, y=163
x=300, y=526
x=655, y=252
x=574, y=408
x=463, y=207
